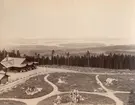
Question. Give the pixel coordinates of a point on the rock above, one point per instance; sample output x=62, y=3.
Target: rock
x=109, y=81
x=60, y=81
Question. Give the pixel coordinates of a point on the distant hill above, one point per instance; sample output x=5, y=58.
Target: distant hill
x=82, y=45
x=76, y=48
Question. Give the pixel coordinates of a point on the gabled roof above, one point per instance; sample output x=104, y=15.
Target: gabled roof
x=13, y=62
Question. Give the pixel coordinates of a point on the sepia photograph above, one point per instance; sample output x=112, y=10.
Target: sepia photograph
x=67, y=52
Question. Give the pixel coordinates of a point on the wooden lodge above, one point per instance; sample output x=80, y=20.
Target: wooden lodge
x=17, y=64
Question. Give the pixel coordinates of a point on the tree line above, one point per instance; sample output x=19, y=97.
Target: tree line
x=12, y=53
x=111, y=61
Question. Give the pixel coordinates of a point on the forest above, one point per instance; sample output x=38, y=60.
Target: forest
x=111, y=61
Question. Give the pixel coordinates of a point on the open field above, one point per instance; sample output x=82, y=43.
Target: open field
x=4, y=102
x=19, y=90
x=92, y=69
x=122, y=83
x=88, y=99
x=82, y=82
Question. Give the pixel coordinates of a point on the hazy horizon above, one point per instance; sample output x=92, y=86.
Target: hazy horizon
x=67, y=19
x=59, y=41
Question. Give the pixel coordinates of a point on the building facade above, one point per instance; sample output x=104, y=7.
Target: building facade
x=17, y=64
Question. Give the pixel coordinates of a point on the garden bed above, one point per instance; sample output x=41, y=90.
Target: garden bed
x=81, y=82
x=88, y=99
x=122, y=83
x=33, y=84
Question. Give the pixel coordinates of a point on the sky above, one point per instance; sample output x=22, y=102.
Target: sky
x=67, y=19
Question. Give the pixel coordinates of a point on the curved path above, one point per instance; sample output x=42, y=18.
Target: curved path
x=26, y=75
x=109, y=92
x=34, y=101
x=22, y=77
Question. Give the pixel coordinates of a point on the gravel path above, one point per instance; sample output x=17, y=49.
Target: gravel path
x=109, y=92
x=34, y=101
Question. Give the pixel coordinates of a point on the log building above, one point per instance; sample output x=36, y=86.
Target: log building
x=17, y=64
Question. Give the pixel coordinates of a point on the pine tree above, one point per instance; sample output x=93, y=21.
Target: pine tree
x=18, y=53
x=52, y=56
x=67, y=54
x=88, y=57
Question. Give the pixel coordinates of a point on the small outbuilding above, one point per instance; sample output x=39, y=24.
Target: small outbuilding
x=3, y=77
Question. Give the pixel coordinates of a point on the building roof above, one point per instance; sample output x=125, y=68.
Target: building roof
x=3, y=75
x=13, y=62
x=2, y=72
x=30, y=63
x=35, y=62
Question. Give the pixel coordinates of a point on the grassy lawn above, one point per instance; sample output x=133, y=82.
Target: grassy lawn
x=88, y=99
x=3, y=102
x=91, y=69
x=123, y=97
x=124, y=83
x=82, y=82
x=19, y=91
